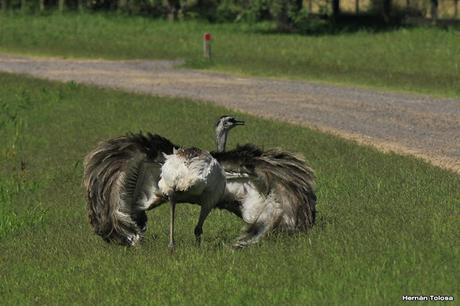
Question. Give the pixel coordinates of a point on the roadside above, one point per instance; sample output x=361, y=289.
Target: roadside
x=418, y=125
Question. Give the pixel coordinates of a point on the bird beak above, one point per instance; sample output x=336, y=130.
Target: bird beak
x=239, y=122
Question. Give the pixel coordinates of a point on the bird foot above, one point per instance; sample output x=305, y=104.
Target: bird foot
x=238, y=245
x=172, y=247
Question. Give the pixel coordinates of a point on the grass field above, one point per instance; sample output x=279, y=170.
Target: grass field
x=415, y=59
x=387, y=224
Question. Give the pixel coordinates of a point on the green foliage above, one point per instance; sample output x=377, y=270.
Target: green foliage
x=387, y=224
x=312, y=26
x=229, y=10
x=211, y=10
x=286, y=13
x=257, y=10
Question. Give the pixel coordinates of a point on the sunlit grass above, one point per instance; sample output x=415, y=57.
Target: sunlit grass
x=387, y=224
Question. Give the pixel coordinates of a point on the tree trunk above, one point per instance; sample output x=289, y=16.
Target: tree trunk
x=310, y=6
x=335, y=9
x=23, y=5
x=173, y=7
x=408, y=10
x=61, y=5
x=121, y=5
x=282, y=18
x=41, y=5
x=299, y=5
x=434, y=11
x=456, y=8
x=386, y=10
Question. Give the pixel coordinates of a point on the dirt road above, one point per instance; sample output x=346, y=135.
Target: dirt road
x=409, y=124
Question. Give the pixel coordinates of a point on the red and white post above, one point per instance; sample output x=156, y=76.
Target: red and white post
x=207, y=45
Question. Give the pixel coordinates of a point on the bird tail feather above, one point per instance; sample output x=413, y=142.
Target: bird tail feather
x=291, y=173
x=120, y=177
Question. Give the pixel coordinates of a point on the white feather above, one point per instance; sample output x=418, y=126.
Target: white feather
x=191, y=175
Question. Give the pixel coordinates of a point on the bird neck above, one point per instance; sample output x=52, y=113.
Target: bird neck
x=221, y=139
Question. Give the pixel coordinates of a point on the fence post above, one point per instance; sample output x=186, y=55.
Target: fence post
x=207, y=45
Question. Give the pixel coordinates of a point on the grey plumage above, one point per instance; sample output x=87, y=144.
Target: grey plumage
x=120, y=176
x=271, y=189
x=277, y=171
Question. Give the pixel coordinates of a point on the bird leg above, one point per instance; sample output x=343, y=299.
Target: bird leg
x=204, y=212
x=172, y=243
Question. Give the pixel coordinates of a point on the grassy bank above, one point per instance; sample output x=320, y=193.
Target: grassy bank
x=387, y=224
x=419, y=59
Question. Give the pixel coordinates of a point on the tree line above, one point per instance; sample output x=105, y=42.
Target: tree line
x=288, y=14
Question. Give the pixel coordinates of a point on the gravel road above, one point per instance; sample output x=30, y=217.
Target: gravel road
x=418, y=125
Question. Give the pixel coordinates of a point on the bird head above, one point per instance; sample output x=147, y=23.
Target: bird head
x=226, y=123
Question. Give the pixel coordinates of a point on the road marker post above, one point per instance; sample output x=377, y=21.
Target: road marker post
x=207, y=45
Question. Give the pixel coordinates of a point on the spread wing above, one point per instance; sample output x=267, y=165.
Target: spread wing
x=240, y=163
x=119, y=176
x=278, y=171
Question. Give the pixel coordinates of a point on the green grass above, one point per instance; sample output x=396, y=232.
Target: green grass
x=419, y=59
x=387, y=224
